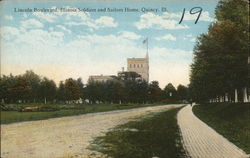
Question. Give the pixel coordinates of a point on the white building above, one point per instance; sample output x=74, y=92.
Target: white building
x=140, y=66
x=100, y=78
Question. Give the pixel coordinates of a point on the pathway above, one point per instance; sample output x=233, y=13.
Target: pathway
x=201, y=141
x=64, y=137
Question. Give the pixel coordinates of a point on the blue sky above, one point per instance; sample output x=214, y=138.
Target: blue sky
x=76, y=44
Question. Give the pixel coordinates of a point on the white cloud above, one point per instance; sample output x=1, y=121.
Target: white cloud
x=166, y=37
x=172, y=15
x=169, y=65
x=102, y=22
x=9, y=33
x=64, y=28
x=192, y=40
x=130, y=35
x=49, y=17
x=8, y=17
x=107, y=43
x=40, y=38
x=79, y=18
x=31, y=23
x=91, y=54
x=51, y=29
x=163, y=54
x=166, y=65
x=150, y=20
x=105, y=21
x=189, y=37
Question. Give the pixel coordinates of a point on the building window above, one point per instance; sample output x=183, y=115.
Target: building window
x=130, y=65
x=137, y=65
x=134, y=65
x=141, y=65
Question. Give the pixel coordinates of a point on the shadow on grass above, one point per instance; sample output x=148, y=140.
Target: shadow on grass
x=153, y=136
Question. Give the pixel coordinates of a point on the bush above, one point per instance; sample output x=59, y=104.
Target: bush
x=48, y=108
x=6, y=108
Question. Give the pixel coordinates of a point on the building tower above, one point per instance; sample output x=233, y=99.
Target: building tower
x=140, y=66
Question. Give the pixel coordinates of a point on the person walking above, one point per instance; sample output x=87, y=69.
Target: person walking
x=191, y=102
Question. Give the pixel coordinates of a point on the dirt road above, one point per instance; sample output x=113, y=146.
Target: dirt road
x=64, y=137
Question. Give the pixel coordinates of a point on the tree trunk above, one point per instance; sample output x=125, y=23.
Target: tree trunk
x=45, y=101
x=221, y=99
x=235, y=96
x=245, y=97
x=226, y=97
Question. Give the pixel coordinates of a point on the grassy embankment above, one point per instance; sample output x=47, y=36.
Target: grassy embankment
x=230, y=120
x=155, y=135
x=63, y=110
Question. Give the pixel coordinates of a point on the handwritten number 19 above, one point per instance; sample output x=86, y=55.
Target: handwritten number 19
x=194, y=10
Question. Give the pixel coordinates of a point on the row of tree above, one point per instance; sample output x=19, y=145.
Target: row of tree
x=220, y=67
x=30, y=87
x=133, y=91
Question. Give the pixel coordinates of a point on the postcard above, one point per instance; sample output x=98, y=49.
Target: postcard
x=124, y=79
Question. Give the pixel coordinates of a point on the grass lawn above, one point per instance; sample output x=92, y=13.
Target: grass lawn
x=15, y=116
x=232, y=120
x=153, y=136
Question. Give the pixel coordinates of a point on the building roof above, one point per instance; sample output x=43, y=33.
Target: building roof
x=137, y=59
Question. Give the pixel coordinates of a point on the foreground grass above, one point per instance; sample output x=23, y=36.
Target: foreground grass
x=230, y=120
x=155, y=136
x=14, y=116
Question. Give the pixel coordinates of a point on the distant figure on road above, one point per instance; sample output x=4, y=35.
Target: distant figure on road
x=191, y=102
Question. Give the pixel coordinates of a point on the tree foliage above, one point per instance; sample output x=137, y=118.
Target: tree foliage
x=47, y=89
x=182, y=92
x=61, y=94
x=220, y=56
x=170, y=91
x=72, y=89
x=33, y=88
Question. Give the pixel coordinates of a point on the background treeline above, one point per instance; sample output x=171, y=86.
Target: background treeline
x=32, y=88
x=220, y=67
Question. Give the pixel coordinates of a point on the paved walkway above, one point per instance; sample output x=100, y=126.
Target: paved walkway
x=201, y=141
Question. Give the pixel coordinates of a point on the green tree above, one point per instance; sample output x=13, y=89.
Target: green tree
x=33, y=81
x=182, y=92
x=114, y=91
x=143, y=91
x=220, y=56
x=61, y=93
x=155, y=92
x=81, y=86
x=15, y=89
x=47, y=90
x=6, y=82
x=169, y=91
x=72, y=89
